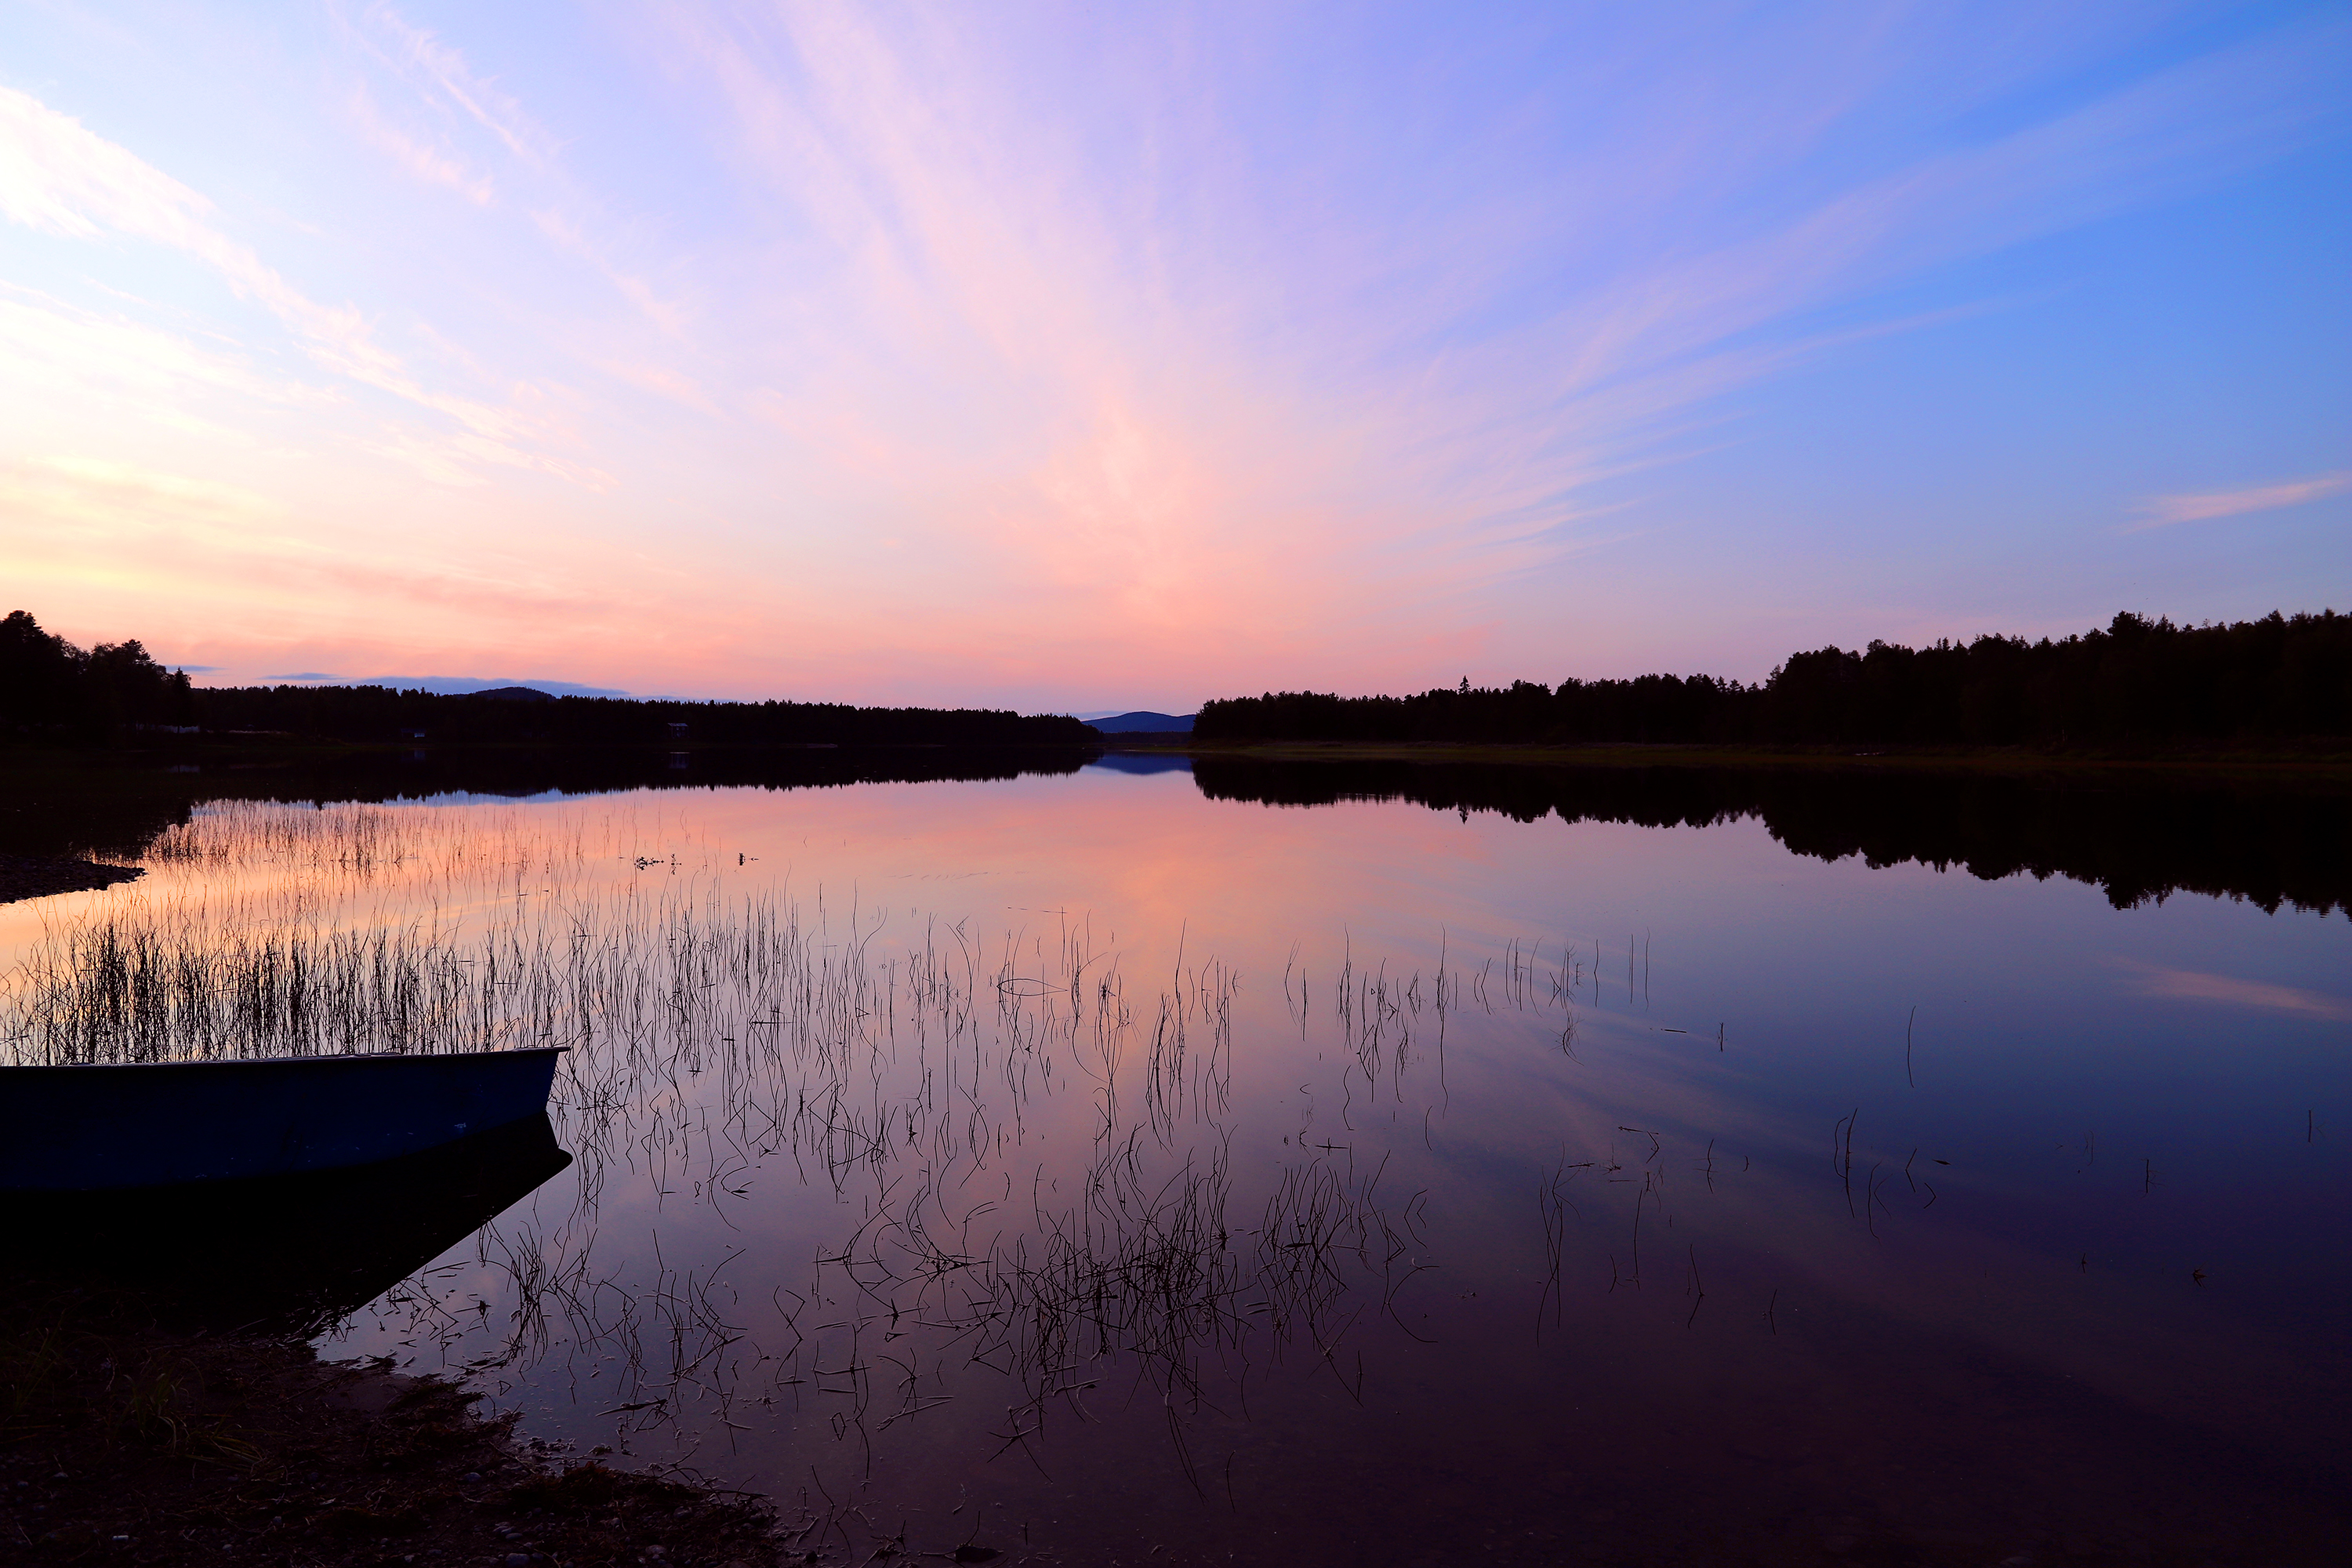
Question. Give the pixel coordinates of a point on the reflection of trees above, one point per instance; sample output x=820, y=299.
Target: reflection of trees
x=2139, y=839
x=90, y=804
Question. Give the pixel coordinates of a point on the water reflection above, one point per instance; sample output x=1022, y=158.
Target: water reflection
x=110, y=810
x=1142, y=762
x=295, y=1252
x=1096, y=1156
x=2279, y=841
x=2139, y=838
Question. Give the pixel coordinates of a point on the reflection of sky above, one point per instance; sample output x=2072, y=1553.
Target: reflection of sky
x=2059, y=1110
x=1054, y=357
x=2091, y=1103
x=1119, y=762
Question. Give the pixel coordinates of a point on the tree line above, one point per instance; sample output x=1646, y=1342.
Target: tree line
x=2134, y=682
x=52, y=691
x=50, y=688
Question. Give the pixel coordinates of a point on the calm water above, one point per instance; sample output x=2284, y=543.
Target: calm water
x=1109, y=1165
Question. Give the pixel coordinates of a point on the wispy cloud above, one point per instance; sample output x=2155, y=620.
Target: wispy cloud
x=2162, y=511
x=441, y=70
x=59, y=176
x=196, y=542
x=132, y=361
x=435, y=165
x=1154, y=407
x=2195, y=985
x=1023, y=354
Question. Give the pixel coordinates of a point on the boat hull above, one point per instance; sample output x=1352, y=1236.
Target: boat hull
x=93, y=1128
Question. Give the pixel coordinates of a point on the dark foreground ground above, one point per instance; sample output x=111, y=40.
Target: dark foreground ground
x=38, y=876
x=123, y=1441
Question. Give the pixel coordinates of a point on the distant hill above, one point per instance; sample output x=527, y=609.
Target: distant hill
x=1145, y=723
x=455, y=685
x=513, y=694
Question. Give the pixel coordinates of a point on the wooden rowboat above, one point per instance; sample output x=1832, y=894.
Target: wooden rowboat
x=156, y=1124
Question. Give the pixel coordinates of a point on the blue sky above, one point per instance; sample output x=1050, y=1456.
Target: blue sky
x=1072, y=357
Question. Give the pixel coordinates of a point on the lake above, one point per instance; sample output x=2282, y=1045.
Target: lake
x=1127, y=1161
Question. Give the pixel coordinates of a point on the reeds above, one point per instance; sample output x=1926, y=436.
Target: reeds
x=924, y=1074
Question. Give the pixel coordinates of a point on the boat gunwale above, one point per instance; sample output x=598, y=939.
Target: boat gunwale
x=289, y=1060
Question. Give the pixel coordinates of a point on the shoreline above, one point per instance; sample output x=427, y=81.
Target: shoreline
x=2334, y=766
x=125, y=1439
x=2330, y=760
x=40, y=875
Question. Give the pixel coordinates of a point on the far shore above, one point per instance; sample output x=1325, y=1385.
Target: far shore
x=2330, y=763
x=2322, y=760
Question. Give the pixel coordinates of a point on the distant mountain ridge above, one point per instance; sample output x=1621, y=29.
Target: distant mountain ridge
x=1145, y=722
x=477, y=686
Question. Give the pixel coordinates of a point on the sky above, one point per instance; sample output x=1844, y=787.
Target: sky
x=1082, y=357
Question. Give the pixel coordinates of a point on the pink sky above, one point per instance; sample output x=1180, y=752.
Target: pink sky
x=1048, y=359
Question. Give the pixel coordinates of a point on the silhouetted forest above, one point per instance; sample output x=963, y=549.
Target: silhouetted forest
x=2137, y=839
x=52, y=690
x=378, y=713
x=49, y=687
x=2137, y=682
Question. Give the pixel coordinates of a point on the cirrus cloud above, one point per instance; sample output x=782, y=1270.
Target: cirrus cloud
x=59, y=176
x=2162, y=511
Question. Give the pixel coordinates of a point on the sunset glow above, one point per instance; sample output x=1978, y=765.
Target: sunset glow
x=1071, y=359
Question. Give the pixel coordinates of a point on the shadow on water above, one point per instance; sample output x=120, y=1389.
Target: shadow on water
x=115, y=809
x=2141, y=839
x=2146, y=837
x=296, y=1253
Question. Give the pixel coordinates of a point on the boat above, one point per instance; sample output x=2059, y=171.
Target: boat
x=104, y=1127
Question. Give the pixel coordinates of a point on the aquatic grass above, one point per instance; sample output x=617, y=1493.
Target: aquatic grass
x=232, y=832
x=721, y=1037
